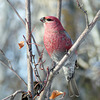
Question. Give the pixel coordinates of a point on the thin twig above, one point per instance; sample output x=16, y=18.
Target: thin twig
x=39, y=61
x=11, y=68
x=36, y=74
x=39, y=54
x=84, y=11
x=16, y=12
x=41, y=64
x=36, y=48
x=59, y=5
x=45, y=83
x=12, y=96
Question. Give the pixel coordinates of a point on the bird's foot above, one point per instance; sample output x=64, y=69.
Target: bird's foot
x=67, y=53
x=53, y=66
x=70, y=76
x=76, y=65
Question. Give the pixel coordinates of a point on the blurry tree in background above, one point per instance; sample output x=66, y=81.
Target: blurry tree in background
x=73, y=20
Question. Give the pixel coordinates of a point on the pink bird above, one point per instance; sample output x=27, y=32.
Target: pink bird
x=57, y=43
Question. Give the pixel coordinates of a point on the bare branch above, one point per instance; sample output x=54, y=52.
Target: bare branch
x=39, y=54
x=36, y=74
x=84, y=11
x=12, y=96
x=11, y=68
x=29, y=47
x=44, y=87
x=16, y=12
x=38, y=51
x=71, y=54
x=59, y=5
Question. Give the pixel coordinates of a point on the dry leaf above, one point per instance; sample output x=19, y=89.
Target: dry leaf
x=21, y=44
x=55, y=93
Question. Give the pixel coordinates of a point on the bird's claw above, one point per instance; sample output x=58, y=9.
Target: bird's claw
x=70, y=76
x=76, y=65
x=53, y=66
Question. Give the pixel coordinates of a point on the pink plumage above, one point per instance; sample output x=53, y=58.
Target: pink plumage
x=57, y=42
x=55, y=38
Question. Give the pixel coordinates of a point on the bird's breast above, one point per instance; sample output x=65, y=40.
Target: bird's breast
x=56, y=42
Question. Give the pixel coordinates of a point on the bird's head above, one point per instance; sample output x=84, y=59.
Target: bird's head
x=51, y=22
x=49, y=19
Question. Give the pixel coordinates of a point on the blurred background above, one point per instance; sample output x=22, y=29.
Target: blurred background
x=73, y=20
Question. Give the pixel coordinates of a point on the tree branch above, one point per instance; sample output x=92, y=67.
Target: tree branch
x=59, y=5
x=16, y=12
x=84, y=11
x=71, y=54
x=39, y=55
x=29, y=47
x=10, y=66
x=12, y=96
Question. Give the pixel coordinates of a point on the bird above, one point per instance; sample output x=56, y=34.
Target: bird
x=57, y=43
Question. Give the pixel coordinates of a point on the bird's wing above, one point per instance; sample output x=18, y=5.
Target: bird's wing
x=68, y=36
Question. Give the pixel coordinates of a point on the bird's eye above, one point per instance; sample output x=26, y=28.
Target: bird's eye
x=49, y=20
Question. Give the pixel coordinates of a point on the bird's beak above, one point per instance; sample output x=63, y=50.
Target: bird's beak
x=42, y=19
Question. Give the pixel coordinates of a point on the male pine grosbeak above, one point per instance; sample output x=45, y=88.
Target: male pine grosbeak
x=57, y=42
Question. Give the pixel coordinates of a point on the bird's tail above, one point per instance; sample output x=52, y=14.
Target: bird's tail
x=72, y=87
